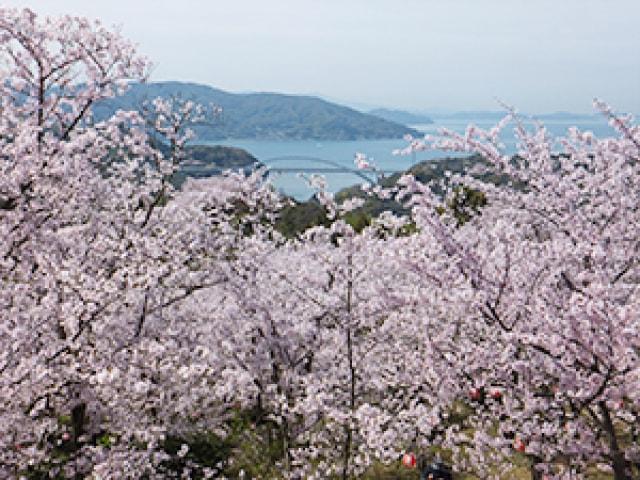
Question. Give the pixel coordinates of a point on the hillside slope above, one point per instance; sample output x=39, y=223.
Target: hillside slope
x=264, y=116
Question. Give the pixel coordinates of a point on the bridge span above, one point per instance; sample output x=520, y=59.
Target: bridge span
x=325, y=166
x=307, y=164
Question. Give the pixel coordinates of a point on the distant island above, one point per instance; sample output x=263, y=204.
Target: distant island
x=400, y=116
x=207, y=160
x=220, y=156
x=264, y=116
x=497, y=115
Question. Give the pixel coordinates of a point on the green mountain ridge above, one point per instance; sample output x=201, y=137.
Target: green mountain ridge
x=263, y=116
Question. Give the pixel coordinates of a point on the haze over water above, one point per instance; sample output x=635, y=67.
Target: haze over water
x=269, y=152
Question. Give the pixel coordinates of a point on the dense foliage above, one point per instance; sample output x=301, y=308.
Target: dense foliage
x=154, y=332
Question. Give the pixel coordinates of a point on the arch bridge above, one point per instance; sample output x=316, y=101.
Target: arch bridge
x=325, y=166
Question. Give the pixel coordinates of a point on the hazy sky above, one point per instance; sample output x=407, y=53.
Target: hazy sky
x=539, y=55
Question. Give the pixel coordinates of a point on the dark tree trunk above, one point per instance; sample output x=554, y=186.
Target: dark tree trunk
x=619, y=463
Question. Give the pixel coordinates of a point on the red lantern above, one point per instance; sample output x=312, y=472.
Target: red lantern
x=496, y=394
x=475, y=394
x=519, y=445
x=409, y=460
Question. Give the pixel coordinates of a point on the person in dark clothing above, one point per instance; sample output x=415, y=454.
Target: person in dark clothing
x=436, y=471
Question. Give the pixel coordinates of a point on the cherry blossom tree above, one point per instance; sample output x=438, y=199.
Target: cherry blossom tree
x=51, y=197
x=97, y=251
x=542, y=286
x=333, y=346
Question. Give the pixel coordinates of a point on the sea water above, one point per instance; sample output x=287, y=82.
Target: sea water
x=301, y=158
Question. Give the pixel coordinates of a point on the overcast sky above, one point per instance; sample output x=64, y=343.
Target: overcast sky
x=539, y=55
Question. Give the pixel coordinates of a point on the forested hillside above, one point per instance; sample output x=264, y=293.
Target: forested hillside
x=265, y=116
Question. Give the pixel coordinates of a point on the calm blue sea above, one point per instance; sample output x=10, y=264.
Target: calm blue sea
x=271, y=153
